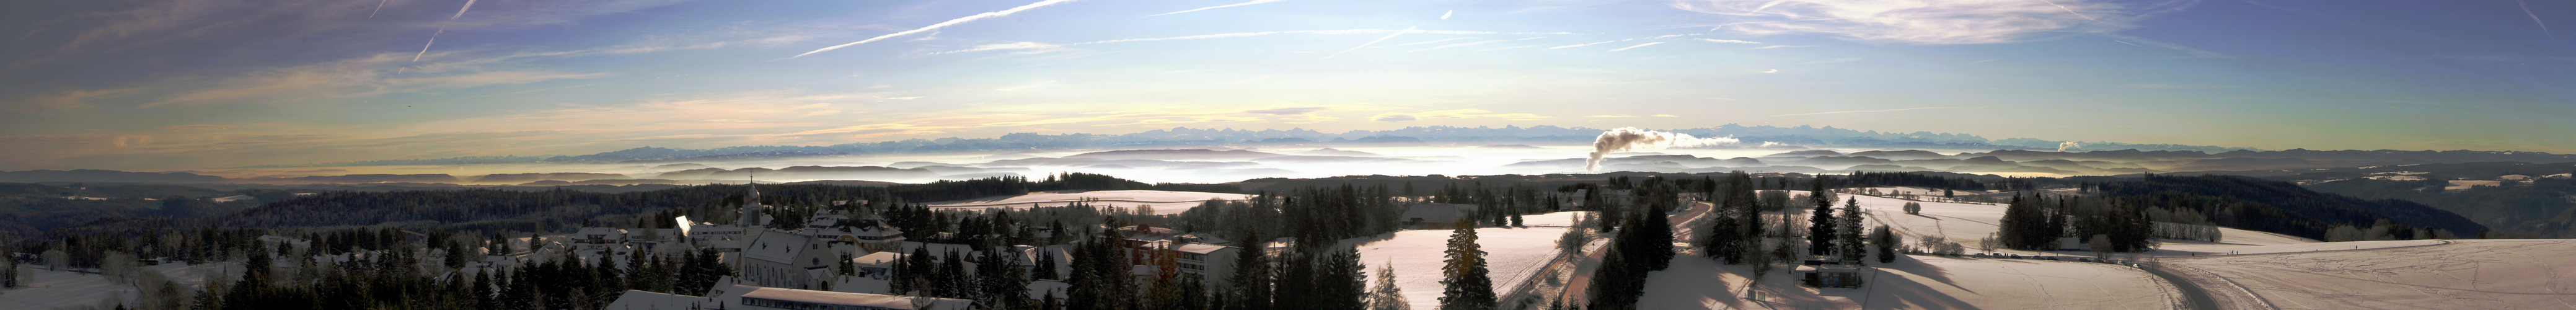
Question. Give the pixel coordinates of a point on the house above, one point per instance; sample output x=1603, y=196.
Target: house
x=781, y=259
x=1439, y=216
x=877, y=265
x=723, y=238
x=1830, y=275
x=1063, y=260
x=1207, y=263
x=870, y=234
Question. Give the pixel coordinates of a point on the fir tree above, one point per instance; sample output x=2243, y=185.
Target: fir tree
x=1469, y=286
x=1848, y=232
x=1820, y=227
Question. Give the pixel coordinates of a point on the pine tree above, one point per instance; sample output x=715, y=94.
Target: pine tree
x=1848, y=232
x=1820, y=227
x=1469, y=286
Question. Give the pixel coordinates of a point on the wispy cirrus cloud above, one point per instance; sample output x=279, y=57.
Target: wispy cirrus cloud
x=1929, y=21
x=1390, y=32
x=1728, y=41
x=355, y=78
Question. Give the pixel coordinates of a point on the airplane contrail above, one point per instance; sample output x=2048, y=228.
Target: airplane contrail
x=433, y=37
x=380, y=7
x=460, y=12
x=959, y=20
x=424, y=47
x=2535, y=18
x=1388, y=36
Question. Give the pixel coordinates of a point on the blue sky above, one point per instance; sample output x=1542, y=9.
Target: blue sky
x=179, y=84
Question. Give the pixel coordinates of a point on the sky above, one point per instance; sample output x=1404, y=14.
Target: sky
x=142, y=85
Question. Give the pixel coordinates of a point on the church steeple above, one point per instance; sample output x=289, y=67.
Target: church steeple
x=750, y=206
x=754, y=197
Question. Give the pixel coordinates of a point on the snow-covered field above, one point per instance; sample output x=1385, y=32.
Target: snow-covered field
x=63, y=289
x=1917, y=282
x=2447, y=274
x=1965, y=223
x=1163, y=202
x=1511, y=255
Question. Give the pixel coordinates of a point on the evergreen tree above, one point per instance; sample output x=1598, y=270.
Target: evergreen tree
x=1886, y=242
x=1469, y=286
x=1848, y=232
x=1820, y=225
x=1252, y=275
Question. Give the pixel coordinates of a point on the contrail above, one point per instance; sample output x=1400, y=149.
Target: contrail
x=424, y=47
x=380, y=7
x=2070, y=11
x=1388, y=36
x=433, y=37
x=2535, y=18
x=1220, y=7
x=1637, y=46
x=460, y=12
x=1626, y=138
x=959, y=20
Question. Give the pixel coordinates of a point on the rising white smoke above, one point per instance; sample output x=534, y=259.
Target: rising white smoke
x=1626, y=138
x=2062, y=146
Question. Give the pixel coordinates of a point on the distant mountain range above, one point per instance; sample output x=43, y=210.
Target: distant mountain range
x=1800, y=136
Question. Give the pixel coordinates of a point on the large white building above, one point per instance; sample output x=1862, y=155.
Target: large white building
x=735, y=296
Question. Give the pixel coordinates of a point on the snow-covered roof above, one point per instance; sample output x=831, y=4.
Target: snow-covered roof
x=878, y=258
x=1202, y=248
x=851, y=299
x=777, y=247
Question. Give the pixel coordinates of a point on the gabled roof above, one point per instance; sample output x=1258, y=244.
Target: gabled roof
x=776, y=247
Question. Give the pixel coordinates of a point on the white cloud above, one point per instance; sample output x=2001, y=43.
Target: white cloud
x=1764, y=71
x=1929, y=21
x=1636, y=46
x=1233, y=5
x=1729, y=41
x=1581, y=45
x=1467, y=44
x=1431, y=41
x=1779, y=46
x=1019, y=47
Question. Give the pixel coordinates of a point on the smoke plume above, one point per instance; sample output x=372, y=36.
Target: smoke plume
x=1626, y=138
x=2062, y=146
